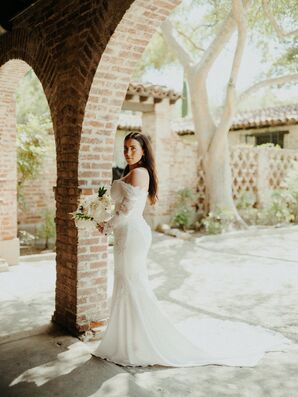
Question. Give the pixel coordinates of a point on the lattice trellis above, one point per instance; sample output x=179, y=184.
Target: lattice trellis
x=202, y=204
x=253, y=169
x=244, y=165
x=279, y=162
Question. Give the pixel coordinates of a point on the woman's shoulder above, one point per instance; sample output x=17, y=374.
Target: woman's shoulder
x=140, y=171
x=137, y=176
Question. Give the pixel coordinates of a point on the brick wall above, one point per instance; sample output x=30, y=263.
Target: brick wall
x=10, y=75
x=84, y=54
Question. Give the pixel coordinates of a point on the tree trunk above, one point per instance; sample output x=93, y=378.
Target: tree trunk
x=216, y=161
x=219, y=178
x=218, y=182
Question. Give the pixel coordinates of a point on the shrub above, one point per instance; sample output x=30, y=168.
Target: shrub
x=291, y=184
x=278, y=209
x=47, y=230
x=246, y=200
x=249, y=215
x=269, y=145
x=32, y=143
x=282, y=205
x=184, y=209
x=218, y=221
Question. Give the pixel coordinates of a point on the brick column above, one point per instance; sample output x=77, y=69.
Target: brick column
x=10, y=74
x=157, y=125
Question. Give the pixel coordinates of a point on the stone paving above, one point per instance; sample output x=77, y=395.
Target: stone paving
x=27, y=296
x=249, y=276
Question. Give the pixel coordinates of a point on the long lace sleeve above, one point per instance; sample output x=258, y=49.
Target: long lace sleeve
x=121, y=211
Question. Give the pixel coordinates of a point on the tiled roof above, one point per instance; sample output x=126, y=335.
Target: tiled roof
x=273, y=116
x=277, y=115
x=129, y=122
x=152, y=90
x=183, y=126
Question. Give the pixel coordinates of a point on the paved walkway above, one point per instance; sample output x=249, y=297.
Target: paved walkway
x=27, y=297
x=250, y=276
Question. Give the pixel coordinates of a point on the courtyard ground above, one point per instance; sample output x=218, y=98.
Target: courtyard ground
x=249, y=276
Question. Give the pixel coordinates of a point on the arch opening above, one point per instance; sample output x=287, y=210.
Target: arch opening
x=28, y=172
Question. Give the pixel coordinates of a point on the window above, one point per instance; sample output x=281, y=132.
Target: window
x=276, y=137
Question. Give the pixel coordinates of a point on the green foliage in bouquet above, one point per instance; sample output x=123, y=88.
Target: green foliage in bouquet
x=92, y=209
x=101, y=191
x=79, y=215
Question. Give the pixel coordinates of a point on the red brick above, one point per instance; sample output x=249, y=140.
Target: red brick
x=85, y=88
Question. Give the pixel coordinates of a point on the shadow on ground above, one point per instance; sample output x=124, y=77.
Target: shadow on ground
x=250, y=277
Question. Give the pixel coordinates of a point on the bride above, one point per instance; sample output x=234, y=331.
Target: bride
x=139, y=332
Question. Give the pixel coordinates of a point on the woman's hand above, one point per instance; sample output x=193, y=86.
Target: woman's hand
x=100, y=227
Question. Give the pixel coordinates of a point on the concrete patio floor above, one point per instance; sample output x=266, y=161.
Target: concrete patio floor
x=249, y=276
x=27, y=297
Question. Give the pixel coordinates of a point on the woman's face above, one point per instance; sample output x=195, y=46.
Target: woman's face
x=133, y=151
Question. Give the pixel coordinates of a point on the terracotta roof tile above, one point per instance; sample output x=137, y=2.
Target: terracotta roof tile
x=277, y=115
x=152, y=90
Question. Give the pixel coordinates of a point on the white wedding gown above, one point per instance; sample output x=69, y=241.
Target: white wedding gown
x=139, y=332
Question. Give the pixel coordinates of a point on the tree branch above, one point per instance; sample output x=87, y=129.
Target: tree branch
x=230, y=103
x=183, y=56
x=190, y=40
x=279, y=30
x=267, y=83
x=222, y=37
x=202, y=116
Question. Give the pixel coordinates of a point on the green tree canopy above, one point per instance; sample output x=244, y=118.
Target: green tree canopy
x=197, y=21
x=31, y=99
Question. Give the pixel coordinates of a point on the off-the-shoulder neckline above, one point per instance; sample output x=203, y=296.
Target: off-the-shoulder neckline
x=132, y=186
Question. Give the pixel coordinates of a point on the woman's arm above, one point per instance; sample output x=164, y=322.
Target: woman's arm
x=120, y=216
x=135, y=179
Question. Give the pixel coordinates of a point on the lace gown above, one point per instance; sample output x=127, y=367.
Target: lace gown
x=139, y=332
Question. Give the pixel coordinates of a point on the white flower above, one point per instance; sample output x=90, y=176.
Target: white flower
x=84, y=224
x=91, y=210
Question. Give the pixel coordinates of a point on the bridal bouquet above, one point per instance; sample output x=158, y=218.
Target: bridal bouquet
x=93, y=209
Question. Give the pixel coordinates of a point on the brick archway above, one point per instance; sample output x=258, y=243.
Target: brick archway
x=29, y=48
x=18, y=53
x=84, y=55
x=106, y=96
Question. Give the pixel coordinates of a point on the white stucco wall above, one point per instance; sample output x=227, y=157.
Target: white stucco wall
x=290, y=138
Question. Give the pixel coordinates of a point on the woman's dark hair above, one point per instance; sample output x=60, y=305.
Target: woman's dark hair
x=147, y=161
